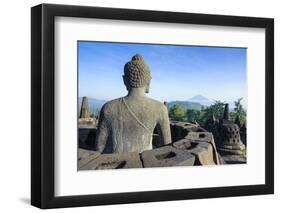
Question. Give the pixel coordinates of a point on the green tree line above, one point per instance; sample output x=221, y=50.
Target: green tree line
x=177, y=113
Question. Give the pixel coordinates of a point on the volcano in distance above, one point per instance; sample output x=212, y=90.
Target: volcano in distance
x=195, y=102
x=201, y=100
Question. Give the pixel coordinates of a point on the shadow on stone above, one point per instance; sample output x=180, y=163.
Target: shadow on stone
x=114, y=161
x=87, y=138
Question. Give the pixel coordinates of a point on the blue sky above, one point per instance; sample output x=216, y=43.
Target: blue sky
x=178, y=72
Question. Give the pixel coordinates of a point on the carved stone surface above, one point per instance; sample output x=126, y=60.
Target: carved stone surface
x=226, y=112
x=87, y=138
x=167, y=156
x=228, y=137
x=181, y=129
x=126, y=124
x=137, y=72
x=83, y=134
x=199, y=144
x=87, y=123
x=194, y=146
x=86, y=120
x=85, y=112
x=200, y=136
x=206, y=137
x=203, y=151
x=85, y=156
x=114, y=161
x=234, y=159
x=243, y=134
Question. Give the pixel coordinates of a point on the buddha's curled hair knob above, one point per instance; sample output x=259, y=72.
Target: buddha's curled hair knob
x=138, y=57
x=137, y=72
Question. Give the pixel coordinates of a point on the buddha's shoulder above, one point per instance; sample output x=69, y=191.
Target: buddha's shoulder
x=155, y=103
x=111, y=105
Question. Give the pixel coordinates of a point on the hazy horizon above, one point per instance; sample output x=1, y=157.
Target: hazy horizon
x=178, y=72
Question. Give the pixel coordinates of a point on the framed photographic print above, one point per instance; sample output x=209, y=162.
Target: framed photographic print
x=139, y=106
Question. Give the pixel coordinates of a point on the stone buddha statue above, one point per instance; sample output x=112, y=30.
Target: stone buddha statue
x=126, y=124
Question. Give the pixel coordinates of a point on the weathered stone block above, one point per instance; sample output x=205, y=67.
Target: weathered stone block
x=200, y=136
x=83, y=134
x=87, y=138
x=203, y=151
x=85, y=112
x=235, y=159
x=239, y=149
x=87, y=123
x=207, y=137
x=176, y=130
x=85, y=156
x=115, y=161
x=180, y=129
x=167, y=156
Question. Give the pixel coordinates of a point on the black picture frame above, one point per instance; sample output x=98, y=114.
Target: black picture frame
x=43, y=105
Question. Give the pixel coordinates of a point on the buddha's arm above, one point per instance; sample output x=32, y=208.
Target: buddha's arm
x=165, y=125
x=102, y=133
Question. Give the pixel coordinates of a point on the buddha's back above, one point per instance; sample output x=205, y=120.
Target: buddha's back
x=130, y=123
x=127, y=124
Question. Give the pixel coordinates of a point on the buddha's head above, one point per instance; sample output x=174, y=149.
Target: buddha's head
x=137, y=74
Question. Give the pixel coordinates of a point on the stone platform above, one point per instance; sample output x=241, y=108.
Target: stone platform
x=196, y=148
x=191, y=146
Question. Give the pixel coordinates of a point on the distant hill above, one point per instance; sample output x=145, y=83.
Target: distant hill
x=185, y=104
x=201, y=100
x=195, y=102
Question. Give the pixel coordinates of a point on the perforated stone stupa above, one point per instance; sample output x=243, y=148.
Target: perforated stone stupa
x=228, y=136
